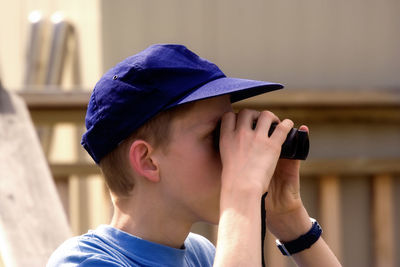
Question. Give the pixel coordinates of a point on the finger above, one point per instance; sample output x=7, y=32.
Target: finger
x=246, y=117
x=264, y=122
x=304, y=128
x=228, y=123
x=281, y=131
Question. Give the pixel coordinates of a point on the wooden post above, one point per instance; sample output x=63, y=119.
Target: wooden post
x=330, y=213
x=383, y=227
x=62, y=186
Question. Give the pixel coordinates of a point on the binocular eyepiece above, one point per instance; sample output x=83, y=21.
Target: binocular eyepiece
x=296, y=145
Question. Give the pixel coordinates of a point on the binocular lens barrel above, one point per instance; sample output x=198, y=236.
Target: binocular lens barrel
x=296, y=145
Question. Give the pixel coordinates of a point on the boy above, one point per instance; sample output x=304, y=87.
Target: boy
x=150, y=126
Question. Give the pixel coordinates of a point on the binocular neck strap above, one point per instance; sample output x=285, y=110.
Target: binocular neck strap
x=263, y=227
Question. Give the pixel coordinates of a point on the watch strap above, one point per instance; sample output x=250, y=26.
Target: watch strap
x=303, y=242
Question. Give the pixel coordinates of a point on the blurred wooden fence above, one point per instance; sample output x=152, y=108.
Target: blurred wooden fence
x=350, y=182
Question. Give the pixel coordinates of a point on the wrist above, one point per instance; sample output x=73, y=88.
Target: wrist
x=239, y=186
x=289, y=226
x=240, y=198
x=303, y=242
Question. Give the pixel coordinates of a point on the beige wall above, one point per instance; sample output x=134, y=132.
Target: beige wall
x=305, y=44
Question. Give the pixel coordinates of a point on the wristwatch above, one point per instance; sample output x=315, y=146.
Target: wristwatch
x=303, y=242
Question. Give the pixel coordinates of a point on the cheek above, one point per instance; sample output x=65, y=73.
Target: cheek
x=195, y=168
x=193, y=176
x=204, y=172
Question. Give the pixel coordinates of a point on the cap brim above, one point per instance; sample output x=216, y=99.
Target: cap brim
x=239, y=89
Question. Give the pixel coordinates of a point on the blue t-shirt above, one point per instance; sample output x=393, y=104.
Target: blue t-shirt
x=108, y=246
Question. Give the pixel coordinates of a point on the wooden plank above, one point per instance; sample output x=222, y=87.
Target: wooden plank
x=62, y=186
x=62, y=170
x=79, y=205
x=330, y=212
x=55, y=97
x=357, y=225
x=383, y=226
x=326, y=98
x=334, y=114
x=99, y=196
x=300, y=105
x=311, y=167
x=53, y=116
x=350, y=166
x=32, y=220
x=334, y=106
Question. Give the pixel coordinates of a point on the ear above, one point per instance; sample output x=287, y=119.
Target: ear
x=141, y=160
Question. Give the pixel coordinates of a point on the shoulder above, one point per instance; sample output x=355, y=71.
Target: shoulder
x=82, y=251
x=200, y=248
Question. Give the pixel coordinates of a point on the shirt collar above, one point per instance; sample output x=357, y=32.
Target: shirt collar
x=137, y=248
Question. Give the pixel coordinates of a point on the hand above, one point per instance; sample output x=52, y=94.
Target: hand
x=287, y=218
x=249, y=157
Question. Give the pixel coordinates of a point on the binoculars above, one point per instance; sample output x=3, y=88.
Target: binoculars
x=296, y=145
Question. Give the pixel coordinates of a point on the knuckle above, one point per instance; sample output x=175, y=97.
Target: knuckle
x=288, y=123
x=269, y=114
x=249, y=112
x=245, y=111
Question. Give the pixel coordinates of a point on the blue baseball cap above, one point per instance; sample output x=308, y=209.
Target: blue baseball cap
x=158, y=78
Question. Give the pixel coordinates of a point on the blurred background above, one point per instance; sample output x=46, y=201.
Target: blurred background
x=339, y=60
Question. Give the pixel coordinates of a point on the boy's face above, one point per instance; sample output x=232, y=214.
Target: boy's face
x=191, y=167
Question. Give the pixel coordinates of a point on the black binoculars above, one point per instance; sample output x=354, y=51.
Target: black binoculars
x=296, y=145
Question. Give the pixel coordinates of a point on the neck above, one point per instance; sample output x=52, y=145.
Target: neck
x=151, y=220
